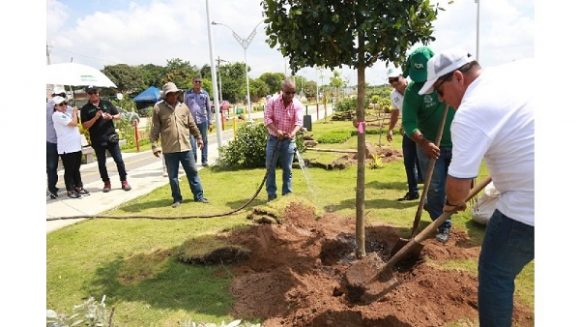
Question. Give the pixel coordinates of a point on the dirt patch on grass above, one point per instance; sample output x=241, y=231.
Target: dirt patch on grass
x=383, y=154
x=292, y=277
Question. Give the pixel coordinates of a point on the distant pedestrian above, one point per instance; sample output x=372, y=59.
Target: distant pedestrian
x=410, y=159
x=283, y=119
x=495, y=121
x=51, y=145
x=97, y=116
x=198, y=102
x=173, y=123
x=69, y=146
x=421, y=117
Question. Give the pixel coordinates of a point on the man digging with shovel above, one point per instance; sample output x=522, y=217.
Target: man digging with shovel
x=422, y=115
x=494, y=120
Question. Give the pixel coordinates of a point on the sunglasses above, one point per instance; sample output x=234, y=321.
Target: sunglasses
x=61, y=104
x=393, y=80
x=441, y=81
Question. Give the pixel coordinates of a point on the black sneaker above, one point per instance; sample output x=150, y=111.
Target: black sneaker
x=53, y=195
x=82, y=191
x=202, y=200
x=205, y=164
x=73, y=194
x=176, y=204
x=443, y=235
x=409, y=197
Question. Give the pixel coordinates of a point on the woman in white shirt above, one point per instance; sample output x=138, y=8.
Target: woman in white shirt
x=69, y=146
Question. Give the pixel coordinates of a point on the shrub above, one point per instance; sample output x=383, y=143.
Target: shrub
x=248, y=149
x=347, y=104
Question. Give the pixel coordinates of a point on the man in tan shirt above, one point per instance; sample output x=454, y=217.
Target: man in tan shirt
x=172, y=121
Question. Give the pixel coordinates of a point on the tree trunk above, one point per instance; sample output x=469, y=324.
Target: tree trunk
x=360, y=172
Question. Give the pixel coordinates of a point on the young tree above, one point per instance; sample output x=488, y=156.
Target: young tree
x=331, y=33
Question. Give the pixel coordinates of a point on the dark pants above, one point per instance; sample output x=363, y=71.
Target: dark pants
x=115, y=152
x=507, y=247
x=411, y=162
x=51, y=166
x=72, y=172
x=203, y=131
x=172, y=161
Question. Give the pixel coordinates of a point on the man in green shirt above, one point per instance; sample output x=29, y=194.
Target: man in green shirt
x=421, y=117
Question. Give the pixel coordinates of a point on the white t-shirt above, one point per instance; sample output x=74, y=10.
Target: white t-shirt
x=68, y=137
x=495, y=120
x=397, y=99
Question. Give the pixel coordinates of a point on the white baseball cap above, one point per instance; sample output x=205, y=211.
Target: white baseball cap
x=393, y=72
x=58, y=100
x=442, y=64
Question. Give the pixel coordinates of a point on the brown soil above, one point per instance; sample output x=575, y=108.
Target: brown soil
x=294, y=272
x=385, y=153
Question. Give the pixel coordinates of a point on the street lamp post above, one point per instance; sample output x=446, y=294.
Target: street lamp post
x=245, y=43
x=219, y=61
x=214, y=81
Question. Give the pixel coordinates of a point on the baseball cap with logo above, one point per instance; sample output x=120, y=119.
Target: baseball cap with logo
x=416, y=65
x=91, y=89
x=443, y=64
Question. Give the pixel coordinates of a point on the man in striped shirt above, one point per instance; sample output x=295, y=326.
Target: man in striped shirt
x=283, y=119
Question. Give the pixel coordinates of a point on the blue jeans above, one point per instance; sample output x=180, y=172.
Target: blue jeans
x=436, y=193
x=279, y=152
x=172, y=161
x=115, y=152
x=203, y=130
x=411, y=162
x=51, y=166
x=507, y=247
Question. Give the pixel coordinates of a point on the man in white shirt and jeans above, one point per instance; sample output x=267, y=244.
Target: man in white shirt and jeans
x=410, y=159
x=495, y=121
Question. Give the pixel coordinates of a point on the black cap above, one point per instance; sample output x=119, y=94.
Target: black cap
x=91, y=88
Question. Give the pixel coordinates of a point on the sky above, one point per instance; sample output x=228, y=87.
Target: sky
x=108, y=32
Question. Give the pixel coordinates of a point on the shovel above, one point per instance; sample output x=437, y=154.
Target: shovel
x=427, y=182
x=364, y=287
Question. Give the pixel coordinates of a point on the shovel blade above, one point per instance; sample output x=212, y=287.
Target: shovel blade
x=412, y=254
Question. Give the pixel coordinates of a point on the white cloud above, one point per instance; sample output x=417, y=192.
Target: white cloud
x=160, y=30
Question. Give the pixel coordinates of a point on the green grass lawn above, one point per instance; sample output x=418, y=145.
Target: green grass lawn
x=130, y=261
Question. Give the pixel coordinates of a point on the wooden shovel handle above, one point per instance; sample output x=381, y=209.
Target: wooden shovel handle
x=429, y=173
x=433, y=226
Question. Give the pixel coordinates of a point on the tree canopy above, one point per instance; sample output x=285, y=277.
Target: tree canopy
x=331, y=33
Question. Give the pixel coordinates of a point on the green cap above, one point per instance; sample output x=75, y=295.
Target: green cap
x=416, y=65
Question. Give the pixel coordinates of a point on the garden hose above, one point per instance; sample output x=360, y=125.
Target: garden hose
x=231, y=212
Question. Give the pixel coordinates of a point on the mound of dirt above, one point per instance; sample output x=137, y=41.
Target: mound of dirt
x=292, y=277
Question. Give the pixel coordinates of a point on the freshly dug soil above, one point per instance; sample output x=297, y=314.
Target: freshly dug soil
x=293, y=276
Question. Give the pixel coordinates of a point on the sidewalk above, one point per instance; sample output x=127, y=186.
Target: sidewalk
x=143, y=180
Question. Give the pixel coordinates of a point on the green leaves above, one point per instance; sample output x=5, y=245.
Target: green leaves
x=323, y=32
